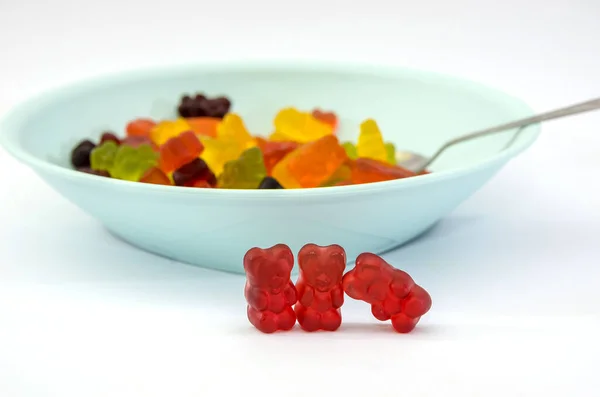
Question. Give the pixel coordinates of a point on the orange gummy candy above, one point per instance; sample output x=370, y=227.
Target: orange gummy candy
x=140, y=127
x=206, y=126
x=329, y=118
x=155, y=176
x=273, y=152
x=366, y=170
x=179, y=150
x=317, y=161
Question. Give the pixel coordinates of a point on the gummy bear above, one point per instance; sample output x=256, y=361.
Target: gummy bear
x=136, y=141
x=269, y=182
x=155, y=176
x=273, y=152
x=109, y=136
x=140, y=127
x=102, y=156
x=193, y=172
x=246, y=172
x=350, y=149
x=391, y=153
x=282, y=173
x=391, y=292
x=232, y=139
x=319, y=287
x=167, y=129
x=269, y=291
x=179, y=150
x=317, y=161
x=368, y=171
x=131, y=163
x=370, y=142
x=201, y=106
x=342, y=174
x=329, y=118
x=206, y=126
x=80, y=155
x=293, y=125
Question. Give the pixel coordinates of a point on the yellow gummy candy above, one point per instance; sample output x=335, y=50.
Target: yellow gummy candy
x=168, y=129
x=219, y=151
x=278, y=137
x=370, y=142
x=232, y=128
x=299, y=126
x=282, y=173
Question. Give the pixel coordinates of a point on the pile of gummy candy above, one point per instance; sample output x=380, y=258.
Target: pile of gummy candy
x=208, y=146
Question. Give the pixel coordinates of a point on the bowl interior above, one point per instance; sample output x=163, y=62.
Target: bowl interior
x=417, y=111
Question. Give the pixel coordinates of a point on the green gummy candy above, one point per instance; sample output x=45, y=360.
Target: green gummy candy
x=244, y=173
x=130, y=163
x=391, y=153
x=350, y=149
x=102, y=156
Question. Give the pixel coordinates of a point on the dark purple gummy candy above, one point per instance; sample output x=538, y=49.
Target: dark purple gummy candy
x=196, y=170
x=80, y=155
x=201, y=106
x=269, y=183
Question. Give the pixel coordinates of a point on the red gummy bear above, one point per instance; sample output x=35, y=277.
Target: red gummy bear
x=269, y=291
x=391, y=293
x=320, y=292
x=179, y=150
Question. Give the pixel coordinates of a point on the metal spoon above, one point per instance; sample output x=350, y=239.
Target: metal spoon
x=417, y=163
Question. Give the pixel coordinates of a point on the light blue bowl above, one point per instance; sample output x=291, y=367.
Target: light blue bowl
x=214, y=228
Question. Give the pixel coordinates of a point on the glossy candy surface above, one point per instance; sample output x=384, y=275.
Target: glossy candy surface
x=179, y=150
x=140, y=127
x=392, y=293
x=80, y=155
x=201, y=106
x=246, y=172
x=155, y=176
x=319, y=287
x=167, y=129
x=194, y=172
x=302, y=150
x=293, y=125
x=130, y=163
x=269, y=182
x=269, y=292
x=368, y=171
x=102, y=156
x=317, y=161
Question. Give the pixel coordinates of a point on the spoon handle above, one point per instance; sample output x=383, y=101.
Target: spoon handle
x=583, y=107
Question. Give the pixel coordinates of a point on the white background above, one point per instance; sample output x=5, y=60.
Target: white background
x=514, y=272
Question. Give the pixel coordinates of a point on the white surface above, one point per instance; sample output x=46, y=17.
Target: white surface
x=513, y=272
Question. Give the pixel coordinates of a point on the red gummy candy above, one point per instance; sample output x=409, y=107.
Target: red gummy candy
x=391, y=292
x=179, y=150
x=135, y=141
x=274, y=152
x=269, y=291
x=109, y=136
x=319, y=286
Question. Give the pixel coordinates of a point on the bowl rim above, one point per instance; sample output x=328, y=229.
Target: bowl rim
x=13, y=118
